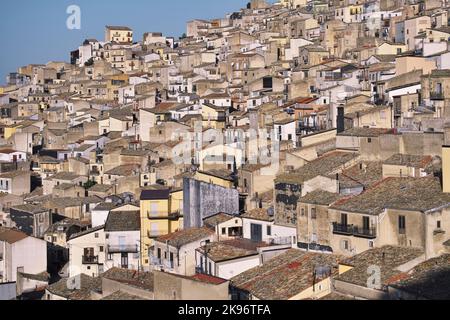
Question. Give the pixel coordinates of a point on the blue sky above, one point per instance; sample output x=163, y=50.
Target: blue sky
x=35, y=31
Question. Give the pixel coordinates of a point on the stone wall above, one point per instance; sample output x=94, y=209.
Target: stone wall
x=202, y=200
x=286, y=198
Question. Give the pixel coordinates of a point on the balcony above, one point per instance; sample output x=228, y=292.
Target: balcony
x=351, y=230
x=90, y=260
x=123, y=249
x=280, y=241
x=364, y=233
x=95, y=173
x=155, y=261
x=158, y=215
x=155, y=234
x=342, y=229
x=436, y=96
x=199, y=270
x=168, y=265
x=334, y=77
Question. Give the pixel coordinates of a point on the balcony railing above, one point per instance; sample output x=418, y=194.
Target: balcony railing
x=342, y=229
x=364, y=233
x=168, y=265
x=155, y=234
x=281, y=241
x=436, y=96
x=199, y=270
x=90, y=259
x=351, y=230
x=156, y=215
x=155, y=261
x=161, y=263
x=337, y=77
x=123, y=249
x=95, y=173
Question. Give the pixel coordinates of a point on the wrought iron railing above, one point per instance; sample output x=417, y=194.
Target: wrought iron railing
x=351, y=230
x=90, y=259
x=123, y=248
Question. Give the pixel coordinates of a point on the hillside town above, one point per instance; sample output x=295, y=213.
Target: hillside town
x=297, y=150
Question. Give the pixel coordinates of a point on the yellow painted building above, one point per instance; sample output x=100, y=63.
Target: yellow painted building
x=113, y=84
x=210, y=177
x=161, y=214
x=119, y=34
x=10, y=131
x=213, y=116
x=292, y=4
x=388, y=48
x=446, y=168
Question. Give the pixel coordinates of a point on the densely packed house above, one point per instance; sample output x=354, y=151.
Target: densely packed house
x=296, y=150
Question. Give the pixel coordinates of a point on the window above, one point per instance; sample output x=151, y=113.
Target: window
x=154, y=209
x=101, y=248
x=402, y=224
x=159, y=253
x=96, y=235
x=366, y=223
x=439, y=224
x=345, y=245
x=224, y=231
x=369, y=140
x=269, y=230
x=302, y=212
x=344, y=219
x=313, y=213
x=110, y=256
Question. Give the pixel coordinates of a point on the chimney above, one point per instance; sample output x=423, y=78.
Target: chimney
x=340, y=120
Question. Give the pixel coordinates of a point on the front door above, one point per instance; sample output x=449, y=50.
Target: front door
x=256, y=232
x=124, y=260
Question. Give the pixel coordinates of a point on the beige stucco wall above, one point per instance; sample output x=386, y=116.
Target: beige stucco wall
x=170, y=287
